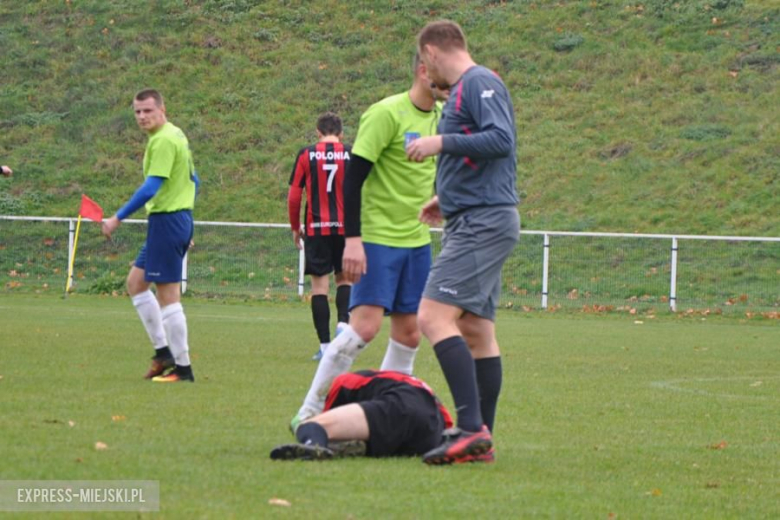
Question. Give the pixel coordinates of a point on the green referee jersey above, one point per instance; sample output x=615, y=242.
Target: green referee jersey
x=396, y=188
x=168, y=155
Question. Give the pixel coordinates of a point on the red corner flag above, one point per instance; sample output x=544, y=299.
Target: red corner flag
x=90, y=209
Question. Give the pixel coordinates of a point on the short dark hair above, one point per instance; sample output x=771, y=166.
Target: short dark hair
x=150, y=93
x=329, y=124
x=444, y=34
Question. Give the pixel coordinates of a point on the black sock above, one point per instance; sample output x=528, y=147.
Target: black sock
x=164, y=352
x=489, y=375
x=184, y=370
x=312, y=433
x=320, y=312
x=458, y=367
x=342, y=302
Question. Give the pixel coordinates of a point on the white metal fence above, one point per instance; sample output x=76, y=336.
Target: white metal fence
x=548, y=269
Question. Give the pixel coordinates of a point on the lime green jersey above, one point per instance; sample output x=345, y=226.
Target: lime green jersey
x=168, y=156
x=397, y=188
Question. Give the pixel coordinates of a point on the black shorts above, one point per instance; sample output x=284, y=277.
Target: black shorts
x=323, y=254
x=402, y=421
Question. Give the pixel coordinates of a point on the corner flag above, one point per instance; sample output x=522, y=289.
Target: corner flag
x=91, y=210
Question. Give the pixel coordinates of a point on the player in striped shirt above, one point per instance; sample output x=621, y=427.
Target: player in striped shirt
x=372, y=413
x=319, y=170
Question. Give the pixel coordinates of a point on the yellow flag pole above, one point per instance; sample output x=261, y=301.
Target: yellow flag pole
x=69, y=283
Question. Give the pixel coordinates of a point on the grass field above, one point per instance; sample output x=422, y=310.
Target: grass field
x=600, y=417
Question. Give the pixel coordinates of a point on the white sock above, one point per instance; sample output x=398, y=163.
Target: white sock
x=149, y=312
x=324, y=347
x=175, y=324
x=399, y=357
x=336, y=360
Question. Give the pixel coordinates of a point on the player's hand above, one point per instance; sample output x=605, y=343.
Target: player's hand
x=431, y=213
x=6, y=171
x=297, y=239
x=419, y=149
x=109, y=226
x=353, y=262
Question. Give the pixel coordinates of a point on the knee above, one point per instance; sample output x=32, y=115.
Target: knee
x=426, y=321
x=366, y=329
x=410, y=338
x=135, y=286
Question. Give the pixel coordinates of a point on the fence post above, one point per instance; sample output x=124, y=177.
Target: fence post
x=673, y=276
x=184, y=273
x=71, y=235
x=301, y=267
x=545, y=269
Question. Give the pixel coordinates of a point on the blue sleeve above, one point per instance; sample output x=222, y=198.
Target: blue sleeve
x=493, y=136
x=148, y=189
x=196, y=180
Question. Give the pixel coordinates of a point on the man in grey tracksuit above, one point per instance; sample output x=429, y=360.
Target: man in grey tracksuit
x=476, y=193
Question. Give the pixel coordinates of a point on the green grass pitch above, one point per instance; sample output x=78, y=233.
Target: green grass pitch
x=600, y=416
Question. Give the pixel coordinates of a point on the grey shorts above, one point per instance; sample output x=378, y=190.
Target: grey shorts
x=475, y=245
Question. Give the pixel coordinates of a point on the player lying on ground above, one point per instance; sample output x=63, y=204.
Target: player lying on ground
x=376, y=414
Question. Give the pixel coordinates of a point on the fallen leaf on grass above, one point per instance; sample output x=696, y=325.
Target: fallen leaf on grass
x=712, y=485
x=638, y=322
x=757, y=383
x=655, y=492
x=100, y=446
x=279, y=502
x=118, y=418
x=71, y=424
x=719, y=446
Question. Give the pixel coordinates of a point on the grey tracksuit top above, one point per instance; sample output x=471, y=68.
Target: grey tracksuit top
x=477, y=166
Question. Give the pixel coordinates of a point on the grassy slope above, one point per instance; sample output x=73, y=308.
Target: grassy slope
x=599, y=417
x=663, y=120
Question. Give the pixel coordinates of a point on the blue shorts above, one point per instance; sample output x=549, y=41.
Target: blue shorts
x=395, y=278
x=168, y=237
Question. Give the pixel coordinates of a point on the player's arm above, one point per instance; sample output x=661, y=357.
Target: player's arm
x=6, y=171
x=294, y=197
x=142, y=195
x=354, y=178
x=486, y=100
x=353, y=261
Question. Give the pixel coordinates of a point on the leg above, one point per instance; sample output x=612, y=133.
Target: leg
x=148, y=309
x=344, y=423
x=404, y=332
x=438, y=322
x=175, y=323
x=364, y=324
x=480, y=335
x=167, y=241
x=343, y=290
x=320, y=311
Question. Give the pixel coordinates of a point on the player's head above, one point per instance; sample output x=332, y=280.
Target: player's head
x=420, y=73
x=149, y=109
x=329, y=124
x=435, y=42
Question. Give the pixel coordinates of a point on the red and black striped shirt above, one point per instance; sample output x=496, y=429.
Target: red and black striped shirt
x=364, y=385
x=319, y=169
